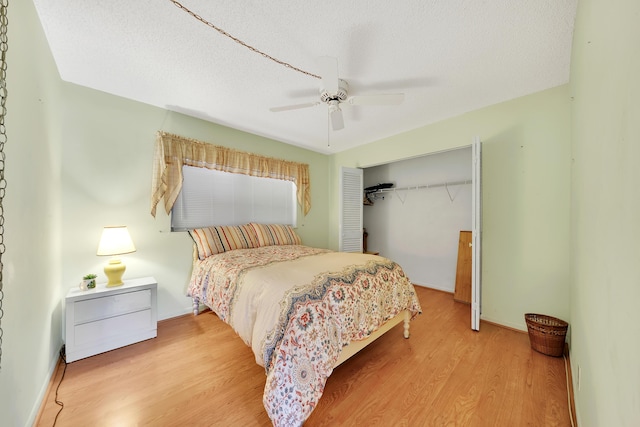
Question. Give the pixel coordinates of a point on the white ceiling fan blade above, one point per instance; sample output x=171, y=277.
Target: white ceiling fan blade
x=337, y=120
x=329, y=72
x=294, y=107
x=384, y=99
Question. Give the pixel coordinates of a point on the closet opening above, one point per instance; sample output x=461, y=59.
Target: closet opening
x=420, y=213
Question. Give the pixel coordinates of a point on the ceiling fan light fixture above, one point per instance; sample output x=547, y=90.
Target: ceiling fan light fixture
x=340, y=95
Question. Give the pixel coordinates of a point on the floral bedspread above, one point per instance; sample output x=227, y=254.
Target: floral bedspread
x=296, y=307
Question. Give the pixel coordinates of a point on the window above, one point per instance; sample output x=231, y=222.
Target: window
x=209, y=197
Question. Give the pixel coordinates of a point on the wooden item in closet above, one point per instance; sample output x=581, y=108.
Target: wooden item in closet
x=364, y=240
x=463, y=271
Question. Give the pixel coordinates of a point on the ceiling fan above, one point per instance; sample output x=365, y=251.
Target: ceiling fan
x=335, y=92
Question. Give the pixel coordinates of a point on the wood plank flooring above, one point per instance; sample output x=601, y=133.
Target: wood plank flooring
x=198, y=372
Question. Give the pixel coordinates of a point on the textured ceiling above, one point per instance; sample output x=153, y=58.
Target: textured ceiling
x=447, y=56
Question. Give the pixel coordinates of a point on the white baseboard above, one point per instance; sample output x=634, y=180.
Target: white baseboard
x=511, y=325
x=44, y=388
x=436, y=287
x=185, y=310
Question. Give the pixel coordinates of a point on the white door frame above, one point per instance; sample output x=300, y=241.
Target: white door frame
x=476, y=220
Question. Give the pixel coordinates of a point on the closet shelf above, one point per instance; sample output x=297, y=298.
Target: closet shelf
x=421, y=187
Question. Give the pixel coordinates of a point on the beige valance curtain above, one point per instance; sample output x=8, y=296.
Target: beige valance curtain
x=173, y=152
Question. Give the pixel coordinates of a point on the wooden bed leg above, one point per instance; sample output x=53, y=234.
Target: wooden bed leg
x=196, y=306
x=407, y=318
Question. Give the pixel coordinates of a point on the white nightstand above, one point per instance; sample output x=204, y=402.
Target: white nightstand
x=102, y=319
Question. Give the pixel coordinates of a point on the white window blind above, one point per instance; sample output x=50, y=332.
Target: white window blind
x=210, y=197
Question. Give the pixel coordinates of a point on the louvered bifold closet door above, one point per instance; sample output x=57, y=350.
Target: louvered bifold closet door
x=351, y=188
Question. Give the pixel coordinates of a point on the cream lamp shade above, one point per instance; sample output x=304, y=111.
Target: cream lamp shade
x=115, y=241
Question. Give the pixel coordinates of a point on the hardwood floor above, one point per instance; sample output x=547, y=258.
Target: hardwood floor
x=198, y=372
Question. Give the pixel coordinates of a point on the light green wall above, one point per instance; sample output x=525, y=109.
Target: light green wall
x=525, y=249
x=32, y=206
x=605, y=213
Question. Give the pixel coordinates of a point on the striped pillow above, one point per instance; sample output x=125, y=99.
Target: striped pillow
x=276, y=234
x=222, y=238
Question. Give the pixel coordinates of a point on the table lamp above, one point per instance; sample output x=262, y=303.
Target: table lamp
x=115, y=241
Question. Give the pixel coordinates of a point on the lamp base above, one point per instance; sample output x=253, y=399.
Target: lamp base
x=114, y=271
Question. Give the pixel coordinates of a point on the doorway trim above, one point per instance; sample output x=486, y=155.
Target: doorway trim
x=476, y=220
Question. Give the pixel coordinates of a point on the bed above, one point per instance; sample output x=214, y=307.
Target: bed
x=302, y=310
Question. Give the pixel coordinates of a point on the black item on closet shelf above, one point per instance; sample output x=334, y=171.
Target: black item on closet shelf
x=375, y=188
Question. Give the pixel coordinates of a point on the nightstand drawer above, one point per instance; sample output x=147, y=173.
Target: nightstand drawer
x=112, y=305
x=106, y=329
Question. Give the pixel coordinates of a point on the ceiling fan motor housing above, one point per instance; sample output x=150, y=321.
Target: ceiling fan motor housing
x=340, y=95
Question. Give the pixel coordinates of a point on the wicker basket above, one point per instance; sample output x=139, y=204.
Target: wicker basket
x=546, y=333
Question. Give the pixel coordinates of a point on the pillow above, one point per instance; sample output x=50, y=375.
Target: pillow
x=222, y=238
x=276, y=234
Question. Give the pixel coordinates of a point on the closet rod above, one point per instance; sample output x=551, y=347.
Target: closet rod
x=419, y=187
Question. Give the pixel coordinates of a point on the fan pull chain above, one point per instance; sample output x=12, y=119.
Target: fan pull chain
x=237, y=40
